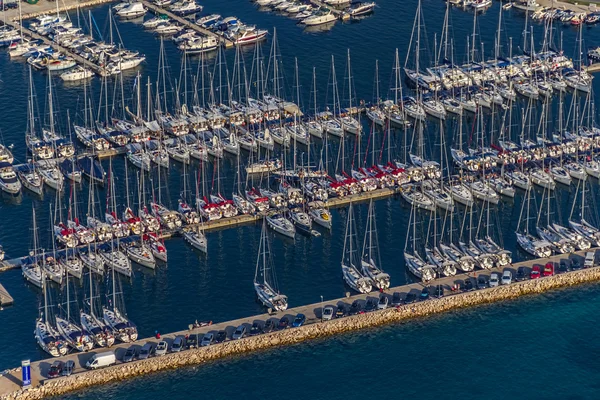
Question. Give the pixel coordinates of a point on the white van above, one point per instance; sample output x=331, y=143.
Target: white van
x=589, y=259
x=101, y=360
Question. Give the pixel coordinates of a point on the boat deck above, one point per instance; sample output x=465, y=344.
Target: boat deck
x=5, y=298
x=10, y=382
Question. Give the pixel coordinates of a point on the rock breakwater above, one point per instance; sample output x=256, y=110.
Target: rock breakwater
x=297, y=335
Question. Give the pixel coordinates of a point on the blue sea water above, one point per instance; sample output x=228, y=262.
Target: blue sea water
x=470, y=353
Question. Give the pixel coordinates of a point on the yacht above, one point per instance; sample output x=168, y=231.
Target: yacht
x=9, y=183
x=133, y=10
x=281, y=225
x=321, y=17
x=197, y=239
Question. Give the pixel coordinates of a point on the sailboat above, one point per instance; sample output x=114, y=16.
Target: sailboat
x=352, y=276
x=265, y=283
x=113, y=317
x=537, y=248
x=32, y=271
x=70, y=332
x=45, y=334
x=380, y=279
x=97, y=330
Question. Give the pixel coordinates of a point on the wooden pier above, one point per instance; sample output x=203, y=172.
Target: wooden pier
x=5, y=298
x=187, y=23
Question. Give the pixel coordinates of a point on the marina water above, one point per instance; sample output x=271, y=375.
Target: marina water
x=424, y=356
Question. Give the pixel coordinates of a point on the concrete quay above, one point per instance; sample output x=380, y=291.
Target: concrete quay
x=314, y=328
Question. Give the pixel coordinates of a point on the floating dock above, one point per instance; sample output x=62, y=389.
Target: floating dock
x=187, y=23
x=5, y=298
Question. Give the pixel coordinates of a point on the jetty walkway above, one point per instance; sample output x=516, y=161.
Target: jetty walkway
x=187, y=23
x=314, y=327
x=244, y=219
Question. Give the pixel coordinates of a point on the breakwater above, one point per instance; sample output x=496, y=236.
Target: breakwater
x=310, y=331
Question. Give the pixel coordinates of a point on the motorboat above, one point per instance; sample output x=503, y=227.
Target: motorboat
x=9, y=183
x=78, y=73
x=321, y=17
x=359, y=9
x=133, y=10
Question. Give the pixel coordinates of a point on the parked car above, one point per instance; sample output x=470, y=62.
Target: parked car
x=482, y=282
x=146, y=351
x=178, y=344
x=383, y=302
x=207, y=339
x=55, y=369
x=269, y=326
x=239, y=333
x=220, y=337
x=299, y=320
x=563, y=266
x=548, y=269
x=590, y=258
x=192, y=341
x=410, y=298
x=439, y=291
x=68, y=368
x=506, y=277
x=575, y=264
x=494, y=279
x=396, y=299
x=354, y=308
x=161, y=348
x=535, y=272
x=327, y=313
x=371, y=305
x=521, y=274
x=468, y=285
x=340, y=312
x=424, y=294
x=130, y=354
x=284, y=323
x=255, y=329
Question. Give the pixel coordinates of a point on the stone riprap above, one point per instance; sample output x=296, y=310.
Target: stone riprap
x=296, y=335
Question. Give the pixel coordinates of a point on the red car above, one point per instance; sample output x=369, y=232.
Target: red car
x=549, y=269
x=55, y=369
x=535, y=272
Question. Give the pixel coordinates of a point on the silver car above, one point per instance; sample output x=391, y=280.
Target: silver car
x=239, y=333
x=177, y=344
x=208, y=339
x=507, y=278
x=161, y=348
x=327, y=313
x=494, y=280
